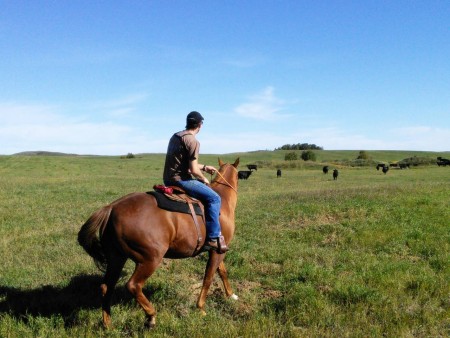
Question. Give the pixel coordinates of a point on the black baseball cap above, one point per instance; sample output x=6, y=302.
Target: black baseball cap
x=194, y=117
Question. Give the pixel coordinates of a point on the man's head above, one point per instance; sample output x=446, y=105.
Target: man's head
x=193, y=120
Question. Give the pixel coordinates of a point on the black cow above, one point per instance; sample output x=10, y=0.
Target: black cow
x=325, y=169
x=244, y=174
x=380, y=165
x=442, y=161
x=278, y=173
x=252, y=166
x=385, y=169
x=335, y=174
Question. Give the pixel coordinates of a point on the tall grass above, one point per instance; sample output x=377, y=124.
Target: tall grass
x=366, y=255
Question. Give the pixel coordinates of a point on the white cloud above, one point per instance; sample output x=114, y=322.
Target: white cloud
x=120, y=107
x=328, y=138
x=239, y=142
x=40, y=127
x=245, y=62
x=414, y=131
x=13, y=113
x=26, y=127
x=262, y=106
x=422, y=138
x=332, y=138
x=127, y=100
x=339, y=139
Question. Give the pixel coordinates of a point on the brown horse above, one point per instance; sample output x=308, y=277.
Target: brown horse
x=135, y=227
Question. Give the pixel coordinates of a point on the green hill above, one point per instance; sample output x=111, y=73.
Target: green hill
x=276, y=158
x=42, y=153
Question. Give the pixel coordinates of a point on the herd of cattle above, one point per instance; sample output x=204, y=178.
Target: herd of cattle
x=406, y=165
x=245, y=174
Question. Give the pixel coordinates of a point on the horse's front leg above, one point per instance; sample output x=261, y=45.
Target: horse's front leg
x=211, y=267
x=226, y=283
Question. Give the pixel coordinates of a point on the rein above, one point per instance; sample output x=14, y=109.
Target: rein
x=226, y=182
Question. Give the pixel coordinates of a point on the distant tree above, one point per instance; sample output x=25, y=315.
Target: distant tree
x=363, y=155
x=308, y=155
x=299, y=146
x=130, y=155
x=291, y=156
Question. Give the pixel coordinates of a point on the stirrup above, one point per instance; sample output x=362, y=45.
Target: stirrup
x=216, y=244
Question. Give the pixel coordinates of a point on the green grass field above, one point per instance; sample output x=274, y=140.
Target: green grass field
x=364, y=256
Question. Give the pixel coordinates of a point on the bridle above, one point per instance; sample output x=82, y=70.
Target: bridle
x=225, y=181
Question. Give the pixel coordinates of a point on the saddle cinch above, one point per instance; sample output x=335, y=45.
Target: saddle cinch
x=175, y=199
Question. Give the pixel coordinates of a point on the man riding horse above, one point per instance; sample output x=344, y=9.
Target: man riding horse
x=183, y=170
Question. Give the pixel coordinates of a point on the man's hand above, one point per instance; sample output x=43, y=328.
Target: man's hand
x=210, y=169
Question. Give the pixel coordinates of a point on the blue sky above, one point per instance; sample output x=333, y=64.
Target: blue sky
x=113, y=77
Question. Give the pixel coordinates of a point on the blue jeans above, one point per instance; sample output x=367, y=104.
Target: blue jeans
x=210, y=199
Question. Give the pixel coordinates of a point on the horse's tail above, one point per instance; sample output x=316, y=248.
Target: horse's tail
x=90, y=233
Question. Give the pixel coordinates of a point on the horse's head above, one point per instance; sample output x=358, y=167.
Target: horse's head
x=227, y=174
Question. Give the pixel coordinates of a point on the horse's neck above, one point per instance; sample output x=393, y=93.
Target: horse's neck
x=227, y=214
x=229, y=201
x=228, y=207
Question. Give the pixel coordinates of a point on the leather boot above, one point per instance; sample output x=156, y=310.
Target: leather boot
x=223, y=247
x=216, y=244
x=211, y=244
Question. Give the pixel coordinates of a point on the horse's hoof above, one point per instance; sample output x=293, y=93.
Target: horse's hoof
x=234, y=297
x=202, y=312
x=149, y=326
x=151, y=323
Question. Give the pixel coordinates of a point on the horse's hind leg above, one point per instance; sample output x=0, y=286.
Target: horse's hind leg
x=113, y=270
x=141, y=273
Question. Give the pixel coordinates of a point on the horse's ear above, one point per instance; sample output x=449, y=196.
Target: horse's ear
x=236, y=163
x=220, y=163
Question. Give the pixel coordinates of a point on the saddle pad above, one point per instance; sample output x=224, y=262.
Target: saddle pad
x=170, y=205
